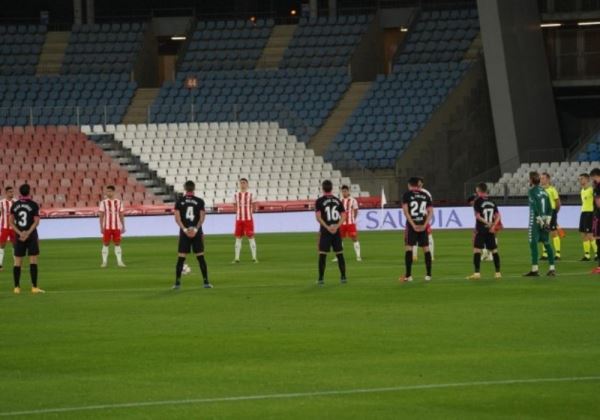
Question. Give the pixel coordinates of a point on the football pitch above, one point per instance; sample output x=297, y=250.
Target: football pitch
x=266, y=342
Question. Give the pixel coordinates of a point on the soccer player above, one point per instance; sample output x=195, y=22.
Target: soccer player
x=487, y=219
x=244, y=221
x=330, y=214
x=428, y=229
x=595, y=174
x=555, y=204
x=112, y=225
x=6, y=231
x=348, y=229
x=540, y=216
x=586, y=219
x=418, y=211
x=25, y=218
x=189, y=216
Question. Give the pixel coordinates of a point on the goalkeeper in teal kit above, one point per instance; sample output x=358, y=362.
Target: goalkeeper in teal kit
x=540, y=216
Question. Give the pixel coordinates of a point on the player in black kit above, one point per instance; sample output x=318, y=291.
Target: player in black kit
x=418, y=211
x=595, y=175
x=189, y=216
x=487, y=219
x=25, y=218
x=330, y=215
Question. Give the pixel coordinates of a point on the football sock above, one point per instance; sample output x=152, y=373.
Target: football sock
x=496, y=257
x=322, y=263
x=556, y=242
x=408, y=260
x=415, y=251
x=238, y=248
x=550, y=253
x=535, y=268
x=17, y=276
x=104, y=254
x=203, y=267
x=428, y=259
x=594, y=247
x=119, y=254
x=33, y=272
x=533, y=248
x=342, y=265
x=1, y=257
x=357, y=249
x=586, y=248
x=431, y=245
x=477, y=261
x=179, y=268
x=252, y=242
x=552, y=267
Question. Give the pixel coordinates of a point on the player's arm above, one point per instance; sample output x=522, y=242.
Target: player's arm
x=407, y=216
x=497, y=219
x=122, y=217
x=178, y=220
x=201, y=219
x=429, y=215
x=101, y=216
x=558, y=203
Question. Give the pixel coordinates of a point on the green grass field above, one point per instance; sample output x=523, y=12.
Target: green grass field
x=266, y=342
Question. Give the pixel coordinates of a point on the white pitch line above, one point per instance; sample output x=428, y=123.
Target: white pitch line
x=292, y=395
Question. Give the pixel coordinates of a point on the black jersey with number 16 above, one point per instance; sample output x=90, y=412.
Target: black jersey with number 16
x=25, y=211
x=331, y=209
x=418, y=202
x=189, y=208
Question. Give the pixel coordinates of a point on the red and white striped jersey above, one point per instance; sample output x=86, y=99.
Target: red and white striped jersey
x=5, y=206
x=244, y=206
x=112, y=210
x=350, y=204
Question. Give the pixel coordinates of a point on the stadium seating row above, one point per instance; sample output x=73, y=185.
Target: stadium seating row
x=20, y=47
x=592, y=150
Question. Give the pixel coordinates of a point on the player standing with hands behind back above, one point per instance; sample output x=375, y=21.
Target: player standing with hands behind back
x=112, y=225
x=418, y=211
x=540, y=217
x=189, y=216
x=330, y=215
x=25, y=218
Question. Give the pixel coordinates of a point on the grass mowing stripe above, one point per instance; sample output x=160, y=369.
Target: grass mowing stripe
x=299, y=395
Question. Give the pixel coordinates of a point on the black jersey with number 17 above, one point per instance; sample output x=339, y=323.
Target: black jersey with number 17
x=417, y=202
x=189, y=208
x=25, y=211
x=485, y=209
x=331, y=209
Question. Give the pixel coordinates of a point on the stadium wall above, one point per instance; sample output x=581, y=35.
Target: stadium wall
x=288, y=222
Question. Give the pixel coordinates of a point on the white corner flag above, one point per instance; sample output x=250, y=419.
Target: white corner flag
x=383, y=200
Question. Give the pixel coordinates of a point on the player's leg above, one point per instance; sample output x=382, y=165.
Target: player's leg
x=533, y=239
x=410, y=243
x=183, y=249
x=2, y=246
x=116, y=237
x=431, y=245
x=105, y=245
x=324, y=246
x=33, y=273
x=545, y=239
x=198, y=247
x=17, y=274
x=424, y=243
x=492, y=245
x=251, y=239
x=556, y=243
x=339, y=252
x=415, y=253
x=356, y=243
x=594, y=248
x=344, y=234
x=477, y=248
x=239, y=232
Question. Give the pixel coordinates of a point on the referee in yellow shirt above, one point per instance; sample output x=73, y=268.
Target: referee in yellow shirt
x=555, y=204
x=586, y=220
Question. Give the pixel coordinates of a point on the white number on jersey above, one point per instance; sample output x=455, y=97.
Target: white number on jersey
x=418, y=209
x=22, y=219
x=333, y=215
x=189, y=213
x=488, y=215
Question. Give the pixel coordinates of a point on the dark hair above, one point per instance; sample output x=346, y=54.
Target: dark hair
x=243, y=179
x=345, y=187
x=189, y=186
x=413, y=181
x=471, y=199
x=9, y=188
x=595, y=172
x=546, y=174
x=110, y=187
x=534, y=177
x=482, y=186
x=586, y=176
x=327, y=186
x=24, y=190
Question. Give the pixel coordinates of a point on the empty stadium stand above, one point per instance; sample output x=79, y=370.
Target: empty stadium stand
x=592, y=151
x=216, y=155
x=64, y=168
x=20, y=47
x=428, y=67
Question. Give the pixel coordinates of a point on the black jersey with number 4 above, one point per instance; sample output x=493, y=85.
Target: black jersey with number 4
x=485, y=209
x=331, y=209
x=189, y=208
x=25, y=211
x=418, y=202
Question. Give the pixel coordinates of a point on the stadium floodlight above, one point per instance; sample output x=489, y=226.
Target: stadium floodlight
x=550, y=25
x=178, y=38
x=403, y=29
x=591, y=23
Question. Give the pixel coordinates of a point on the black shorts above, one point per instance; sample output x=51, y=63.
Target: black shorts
x=29, y=247
x=412, y=238
x=187, y=244
x=484, y=240
x=554, y=221
x=586, y=222
x=329, y=241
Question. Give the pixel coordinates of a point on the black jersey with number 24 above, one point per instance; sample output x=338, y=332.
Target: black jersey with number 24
x=331, y=209
x=189, y=208
x=418, y=202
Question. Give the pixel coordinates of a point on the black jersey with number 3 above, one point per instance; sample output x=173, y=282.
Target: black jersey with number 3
x=485, y=209
x=25, y=212
x=331, y=209
x=189, y=208
x=418, y=202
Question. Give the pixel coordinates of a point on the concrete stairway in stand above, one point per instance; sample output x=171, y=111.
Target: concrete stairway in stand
x=53, y=53
x=276, y=46
x=137, y=113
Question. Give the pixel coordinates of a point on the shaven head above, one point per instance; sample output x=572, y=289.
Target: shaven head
x=595, y=174
x=545, y=179
x=584, y=180
x=327, y=186
x=189, y=186
x=9, y=192
x=243, y=184
x=345, y=191
x=413, y=182
x=534, y=178
x=110, y=191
